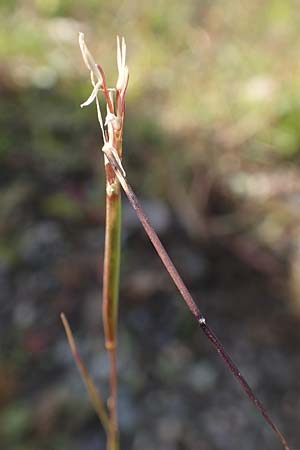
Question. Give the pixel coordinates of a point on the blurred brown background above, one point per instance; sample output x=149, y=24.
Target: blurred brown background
x=212, y=147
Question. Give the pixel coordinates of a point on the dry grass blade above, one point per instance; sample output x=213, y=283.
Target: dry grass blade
x=90, y=385
x=119, y=171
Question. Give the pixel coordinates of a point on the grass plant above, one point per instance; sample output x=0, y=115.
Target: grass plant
x=112, y=132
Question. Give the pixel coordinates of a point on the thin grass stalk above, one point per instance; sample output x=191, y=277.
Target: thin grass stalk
x=118, y=169
x=90, y=385
x=111, y=271
x=112, y=130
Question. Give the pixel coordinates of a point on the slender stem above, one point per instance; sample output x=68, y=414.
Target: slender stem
x=111, y=266
x=112, y=130
x=113, y=435
x=90, y=385
x=111, y=294
x=186, y=294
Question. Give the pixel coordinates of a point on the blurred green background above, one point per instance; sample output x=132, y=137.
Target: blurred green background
x=212, y=146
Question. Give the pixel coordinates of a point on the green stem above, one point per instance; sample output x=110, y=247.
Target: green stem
x=111, y=271
x=111, y=266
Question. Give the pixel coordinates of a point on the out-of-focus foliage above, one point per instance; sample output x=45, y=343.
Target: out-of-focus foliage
x=213, y=117
x=230, y=66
